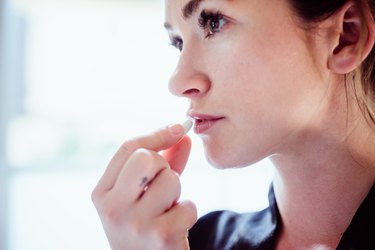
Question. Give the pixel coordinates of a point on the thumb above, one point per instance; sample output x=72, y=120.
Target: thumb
x=178, y=155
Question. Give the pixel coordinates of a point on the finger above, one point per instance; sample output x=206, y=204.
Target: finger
x=159, y=140
x=162, y=193
x=138, y=172
x=181, y=217
x=178, y=154
x=172, y=227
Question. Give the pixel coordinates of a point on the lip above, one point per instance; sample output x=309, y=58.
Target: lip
x=203, y=122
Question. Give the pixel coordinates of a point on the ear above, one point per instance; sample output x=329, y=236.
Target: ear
x=355, y=38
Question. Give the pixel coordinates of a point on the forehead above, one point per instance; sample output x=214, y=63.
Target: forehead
x=178, y=13
x=178, y=7
x=188, y=6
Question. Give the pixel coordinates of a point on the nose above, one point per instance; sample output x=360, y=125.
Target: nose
x=187, y=80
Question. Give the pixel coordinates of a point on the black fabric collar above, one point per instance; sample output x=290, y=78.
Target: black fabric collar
x=360, y=235
x=227, y=230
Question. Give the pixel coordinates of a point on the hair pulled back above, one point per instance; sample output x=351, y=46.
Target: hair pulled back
x=364, y=78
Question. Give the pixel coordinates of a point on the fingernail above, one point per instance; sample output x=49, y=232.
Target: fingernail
x=176, y=129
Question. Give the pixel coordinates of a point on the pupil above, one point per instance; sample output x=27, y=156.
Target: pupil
x=214, y=24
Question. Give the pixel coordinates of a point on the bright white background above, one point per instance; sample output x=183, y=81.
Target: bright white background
x=95, y=73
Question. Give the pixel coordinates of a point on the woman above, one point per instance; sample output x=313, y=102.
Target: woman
x=291, y=80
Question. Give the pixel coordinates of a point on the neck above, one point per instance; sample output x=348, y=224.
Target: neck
x=321, y=182
x=317, y=202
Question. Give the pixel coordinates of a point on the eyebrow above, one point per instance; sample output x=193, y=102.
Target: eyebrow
x=190, y=8
x=187, y=11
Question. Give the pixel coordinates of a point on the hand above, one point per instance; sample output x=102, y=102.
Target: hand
x=137, y=197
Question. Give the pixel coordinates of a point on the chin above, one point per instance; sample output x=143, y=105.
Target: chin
x=228, y=160
x=224, y=161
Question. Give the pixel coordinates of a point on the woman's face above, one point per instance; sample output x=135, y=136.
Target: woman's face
x=249, y=74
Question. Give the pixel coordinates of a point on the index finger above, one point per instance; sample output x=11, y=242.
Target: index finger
x=156, y=141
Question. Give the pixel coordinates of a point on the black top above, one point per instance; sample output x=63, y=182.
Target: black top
x=226, y=230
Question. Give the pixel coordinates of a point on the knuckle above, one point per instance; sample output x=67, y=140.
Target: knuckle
x=112, y=215
x=190, y=210
x=129, y=146
x=96, y=196
x=173, y=180
x=145, y=158
x=143, y=153
x=115, y=216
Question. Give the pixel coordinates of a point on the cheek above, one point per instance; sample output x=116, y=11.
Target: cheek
x=275, y=76
x=259, y=81
x=267, y=97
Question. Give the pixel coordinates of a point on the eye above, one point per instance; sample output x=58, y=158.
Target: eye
x=177, y=43
x=211, y=22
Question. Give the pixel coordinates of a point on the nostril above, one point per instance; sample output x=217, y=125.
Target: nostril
x=189, y=83
x=191, y=92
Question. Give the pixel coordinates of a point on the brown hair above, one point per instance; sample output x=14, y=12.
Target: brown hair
x=364, y=77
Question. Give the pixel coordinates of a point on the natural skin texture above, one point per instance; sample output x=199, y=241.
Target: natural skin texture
x=134, y=219
x=279, y=89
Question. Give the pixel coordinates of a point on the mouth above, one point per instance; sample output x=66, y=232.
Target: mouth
x=203, y=123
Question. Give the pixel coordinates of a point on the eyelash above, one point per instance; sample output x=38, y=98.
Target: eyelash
x=208, y=22
x=211, y=22
x=177, y=43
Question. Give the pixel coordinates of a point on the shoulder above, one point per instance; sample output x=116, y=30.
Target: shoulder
x=227, y=230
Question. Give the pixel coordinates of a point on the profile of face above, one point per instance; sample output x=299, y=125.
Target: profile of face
x=253, y=81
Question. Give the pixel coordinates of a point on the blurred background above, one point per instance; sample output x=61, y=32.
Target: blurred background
x=78, y=77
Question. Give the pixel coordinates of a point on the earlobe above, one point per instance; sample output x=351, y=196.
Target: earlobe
x=355, y=41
